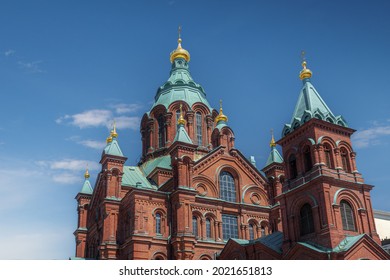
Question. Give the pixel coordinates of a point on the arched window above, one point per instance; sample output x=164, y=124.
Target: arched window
x=227, y=187
x=306, y=220
x=292, y=162
x=251, y=232
x=161, y=132
x=307, y=158
x=262, y=229
x=158, y=223
x=347, y=216
x=328, y=156
x=344, y=159
x=195, y=226
x=199, y=135
x=208, y=228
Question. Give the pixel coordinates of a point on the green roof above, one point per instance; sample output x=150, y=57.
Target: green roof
x=311, y=105
x=134, y=177
x=161, y=162
x=343, y=246
x=273, y=241
x=182, y=135
x=180, y=86
x=113, y=148
x=87, y=188
x=220, y=125
x=274, y=157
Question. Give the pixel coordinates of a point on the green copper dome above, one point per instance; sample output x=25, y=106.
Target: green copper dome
x=180, y=86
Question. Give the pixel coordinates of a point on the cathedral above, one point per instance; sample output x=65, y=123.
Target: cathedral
x=194, y=195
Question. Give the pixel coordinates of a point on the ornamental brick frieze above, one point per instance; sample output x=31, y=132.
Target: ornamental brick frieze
x=208, y=160
x=150, y=202
x=203, y=209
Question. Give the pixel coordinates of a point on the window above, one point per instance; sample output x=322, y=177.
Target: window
x=306, y=220
x=161, y=132
x=227, y=187
x=292, y=162
x=195, y=226
x=262, y=231
x=208, y=228
x=229, y=226
x=158, y=223
x=328, y=156
x=307, y=158
x=251, y=232
x=199, y=136
x=347, y=216
x=344, y=159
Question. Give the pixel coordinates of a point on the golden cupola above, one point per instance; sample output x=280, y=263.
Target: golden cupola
x=305, y=72
x=180, y=52
x=221, y=116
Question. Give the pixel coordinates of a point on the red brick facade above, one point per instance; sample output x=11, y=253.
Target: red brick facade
x=181, y=215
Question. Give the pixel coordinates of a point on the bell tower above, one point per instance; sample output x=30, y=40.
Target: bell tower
x=324, y=198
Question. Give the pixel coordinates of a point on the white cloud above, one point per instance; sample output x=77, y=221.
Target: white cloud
x=69, y=164
x=92, y=118
x=32, y=67
x=66, y=178
x=9, y=52
x=127, y=122
x=370, y=136
x=102, y=117
x=99, y=145
x=123, y=108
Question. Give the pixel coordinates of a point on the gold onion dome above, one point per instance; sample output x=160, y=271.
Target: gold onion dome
x=109, y=139
x=272, y=144
x=221, y=116
x=86, y=174
x=113, y=132
x=180, y=52
x=305, y=72
x=181, y=120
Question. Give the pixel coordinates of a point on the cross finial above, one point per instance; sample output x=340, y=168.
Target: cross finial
x=179, y=31
x=303, y=55
x=220, y=103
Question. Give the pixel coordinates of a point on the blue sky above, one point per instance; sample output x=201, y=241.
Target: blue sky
x=68, y=68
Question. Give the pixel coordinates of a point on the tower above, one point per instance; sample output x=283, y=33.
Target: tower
x=83, y=200
x=324, y=199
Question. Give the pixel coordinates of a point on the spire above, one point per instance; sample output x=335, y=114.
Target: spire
x=310, y=105
x=221, y=116
x=305, y=72
x=86, y=188
x=272, y=144
x=181, y=133
x=179, y=52
x=181, y=120
x=112, y=147
x=274, y=156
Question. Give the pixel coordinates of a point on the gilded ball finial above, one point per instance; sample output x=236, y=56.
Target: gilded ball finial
x=272, y=144
x=86, y=174
x=181, y=120
x=305, y=72
x=179, y=52
x=221, y=116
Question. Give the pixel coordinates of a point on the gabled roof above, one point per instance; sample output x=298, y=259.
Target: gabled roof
x=311, y=105
x=113, y=148
x=182, y=135
x=274, y=157
x=273, y=241
x=87, y=188
x=134, y=177
x=161, y=162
